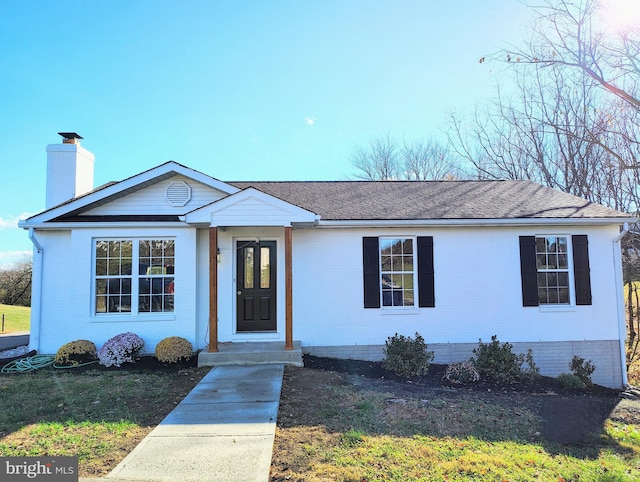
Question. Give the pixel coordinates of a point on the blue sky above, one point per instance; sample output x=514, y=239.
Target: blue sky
x=253, y=90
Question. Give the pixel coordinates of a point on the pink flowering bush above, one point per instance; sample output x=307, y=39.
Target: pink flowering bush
x=461, y=373
x=120, y=349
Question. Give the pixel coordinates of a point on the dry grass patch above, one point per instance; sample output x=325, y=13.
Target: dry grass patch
x=336, y=426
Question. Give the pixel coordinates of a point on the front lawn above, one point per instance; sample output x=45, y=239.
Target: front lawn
x=16, y=318
x=348, y=427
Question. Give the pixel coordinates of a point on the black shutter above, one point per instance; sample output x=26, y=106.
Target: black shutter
x=529, y=271
x=426, y=285
x=371, y=270
x=581, y=271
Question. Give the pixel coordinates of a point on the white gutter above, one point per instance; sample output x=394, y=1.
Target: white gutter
x=622, y=321
x=36, y=292
x=381, y=223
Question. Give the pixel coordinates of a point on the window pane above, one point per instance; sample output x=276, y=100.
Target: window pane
x=407, y=263
x=396, y=247
x=552, y=261
x=265, y=267
x=563, y=295
x=562, y=261
x=386, y=263
x=248, y=268
x=385, y=245
x=407, y=281
x=101, y=267
x=396, y=263
x=542, y=295
x=408, y=298
x=562, y=245
x=408, y=246
x=101, y=287
x=563, y=279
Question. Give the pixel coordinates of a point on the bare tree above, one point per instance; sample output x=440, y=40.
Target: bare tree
x=386, y=159
x=15, y=284
x=378, y=161
x=428, y=159
x=571, y=34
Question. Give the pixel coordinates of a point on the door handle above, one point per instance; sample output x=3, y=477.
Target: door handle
x=239, y=293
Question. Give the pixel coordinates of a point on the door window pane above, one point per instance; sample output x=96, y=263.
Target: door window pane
x=248, y=267
x=265, y=267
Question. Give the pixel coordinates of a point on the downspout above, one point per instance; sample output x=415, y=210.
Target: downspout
x=36, y=292
x=622, y=322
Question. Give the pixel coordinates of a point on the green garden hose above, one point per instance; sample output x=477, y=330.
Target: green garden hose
x=28, y=364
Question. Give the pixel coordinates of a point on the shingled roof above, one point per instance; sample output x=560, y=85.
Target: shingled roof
x=433, y=200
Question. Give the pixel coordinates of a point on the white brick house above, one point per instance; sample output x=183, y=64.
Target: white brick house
x=334, y=266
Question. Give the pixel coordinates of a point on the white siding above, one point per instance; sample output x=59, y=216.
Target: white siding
x=477, y=290
x=152, y=200
x=68, y=285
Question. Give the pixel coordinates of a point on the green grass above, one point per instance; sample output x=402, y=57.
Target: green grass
x=435, y=435
x=96, y=414
x=16, y=318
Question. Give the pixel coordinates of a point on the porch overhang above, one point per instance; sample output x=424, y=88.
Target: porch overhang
x=250, y=207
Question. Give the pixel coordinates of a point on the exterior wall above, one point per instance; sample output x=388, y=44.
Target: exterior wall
x=552, y=358
x=151, y=200
x=66, y=312
x=477, y=291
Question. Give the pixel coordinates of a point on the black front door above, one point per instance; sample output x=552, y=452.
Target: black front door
x=256, y=286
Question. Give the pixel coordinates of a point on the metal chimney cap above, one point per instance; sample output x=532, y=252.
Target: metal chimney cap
x=70, y=135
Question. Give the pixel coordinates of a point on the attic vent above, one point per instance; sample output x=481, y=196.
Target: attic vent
x=178, y=193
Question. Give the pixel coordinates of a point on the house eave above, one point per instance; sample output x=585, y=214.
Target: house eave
x=416, y=223
x=57, y=226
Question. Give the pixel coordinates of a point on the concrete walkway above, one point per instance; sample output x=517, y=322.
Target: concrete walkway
x=222, y=430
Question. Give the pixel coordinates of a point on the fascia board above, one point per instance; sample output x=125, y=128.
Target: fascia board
x=130, y=224
x=475, y=222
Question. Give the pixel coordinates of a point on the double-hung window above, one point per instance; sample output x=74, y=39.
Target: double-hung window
x=398, y=272
x=552, y=262
x=555, y=270
x=134, y=276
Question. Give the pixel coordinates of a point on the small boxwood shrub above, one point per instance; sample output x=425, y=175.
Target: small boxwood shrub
x=582, y=369
x=461, y=373
x=406, y=356
x=76, y=353
x=174, y=349
x=498, y=362
x=570, y=381
x=122, y=348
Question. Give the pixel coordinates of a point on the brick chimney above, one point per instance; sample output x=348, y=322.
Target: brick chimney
x=69, y=170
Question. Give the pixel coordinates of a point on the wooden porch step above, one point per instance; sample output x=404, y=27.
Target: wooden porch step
x=252, y=353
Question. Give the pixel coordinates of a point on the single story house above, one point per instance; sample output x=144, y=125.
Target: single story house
x=328, y=268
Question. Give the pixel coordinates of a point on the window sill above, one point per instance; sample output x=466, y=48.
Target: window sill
x=556, y=309
x=399, y=311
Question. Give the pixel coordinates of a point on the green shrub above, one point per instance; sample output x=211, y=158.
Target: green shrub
x=461, y=373
x=570, y=381
x=76, y=352
x=498, y=362
x=582, y=369
x=174, y=349
x=407, y=357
